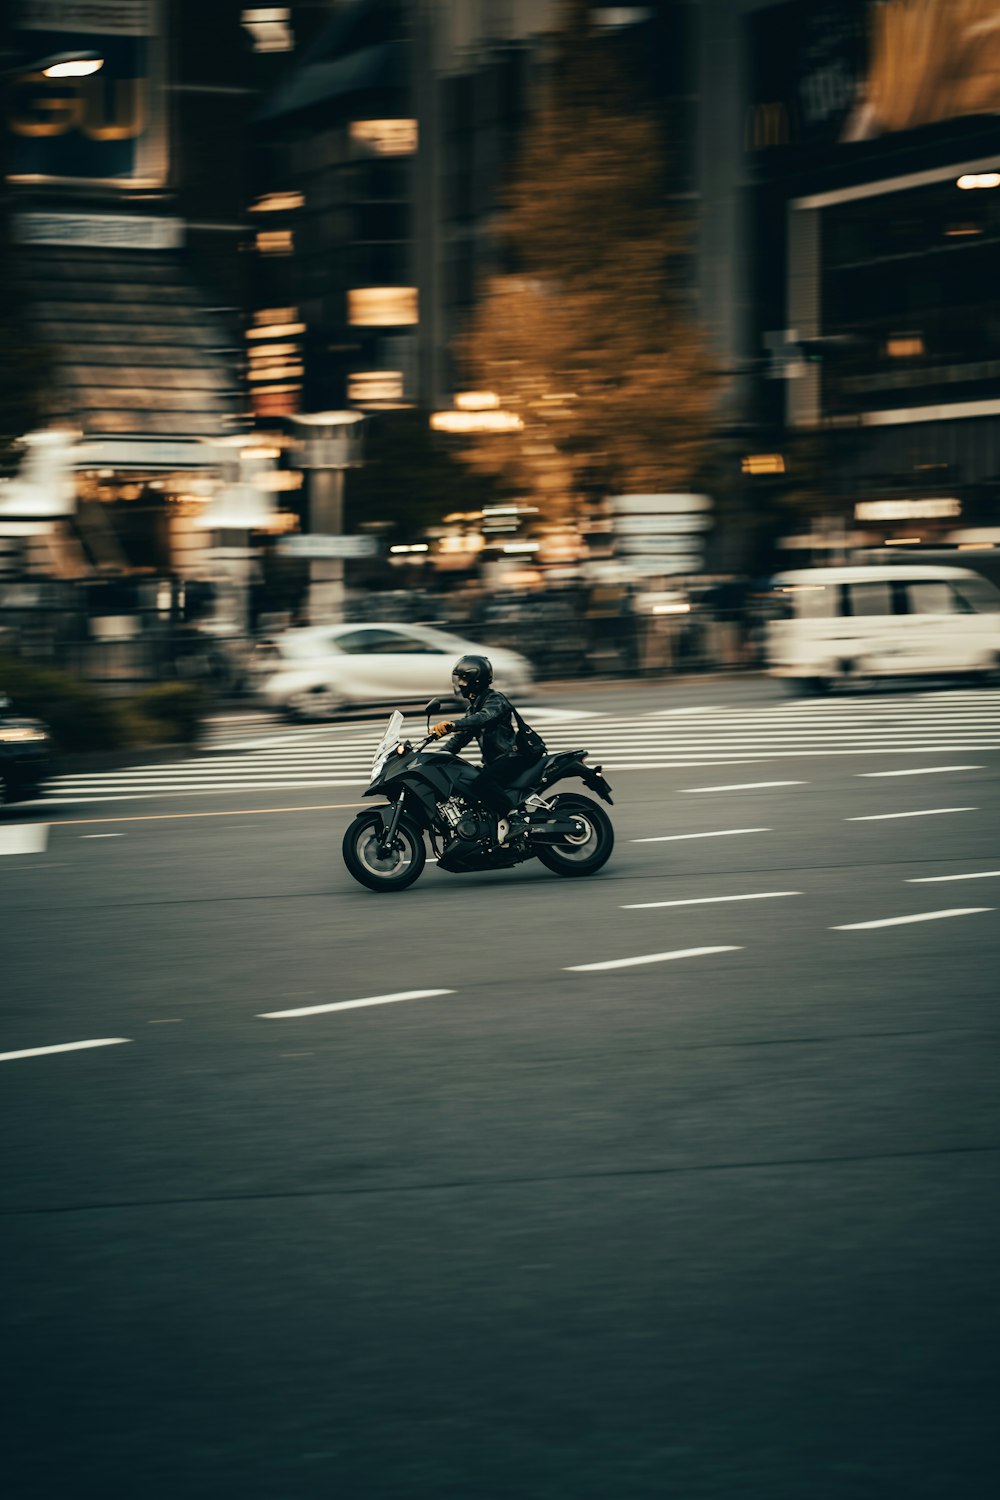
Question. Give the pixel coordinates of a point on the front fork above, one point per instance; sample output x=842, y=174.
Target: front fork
x=388, y=839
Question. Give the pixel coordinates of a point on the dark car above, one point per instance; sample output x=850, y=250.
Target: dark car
x=25, y=755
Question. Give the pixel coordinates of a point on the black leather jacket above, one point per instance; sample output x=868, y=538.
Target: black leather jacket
x=490, y=720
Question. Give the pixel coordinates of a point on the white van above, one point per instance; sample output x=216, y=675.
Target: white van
x=842, y=624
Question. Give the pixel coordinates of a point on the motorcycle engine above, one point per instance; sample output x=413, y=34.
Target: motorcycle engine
x=464, y=822
x=472, y=827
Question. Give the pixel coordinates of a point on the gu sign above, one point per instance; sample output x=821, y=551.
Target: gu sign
x=106, y=128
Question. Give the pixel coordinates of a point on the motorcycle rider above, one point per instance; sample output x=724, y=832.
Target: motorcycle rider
x=490, y=721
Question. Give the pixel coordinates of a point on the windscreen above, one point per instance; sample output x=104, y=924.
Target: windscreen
x=390, y=739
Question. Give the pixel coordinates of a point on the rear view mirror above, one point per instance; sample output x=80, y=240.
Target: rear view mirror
x=433, y=706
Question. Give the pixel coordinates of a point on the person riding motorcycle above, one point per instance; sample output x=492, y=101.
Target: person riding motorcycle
x=490, y=721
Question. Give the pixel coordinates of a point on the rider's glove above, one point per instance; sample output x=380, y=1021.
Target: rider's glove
x=445, y=727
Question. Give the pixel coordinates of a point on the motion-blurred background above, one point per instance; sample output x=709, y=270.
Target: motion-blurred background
x=558, y=326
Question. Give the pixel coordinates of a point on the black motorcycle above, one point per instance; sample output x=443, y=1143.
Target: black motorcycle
x=429, y=802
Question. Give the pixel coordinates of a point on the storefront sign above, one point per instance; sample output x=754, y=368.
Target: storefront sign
x=109, y=127
x=317, y=546
x=906, y=510
x=115, y=231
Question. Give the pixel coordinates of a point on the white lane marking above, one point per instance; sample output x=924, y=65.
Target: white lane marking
x=102, y=835
x=922, y=771
x=710, y=900
x=722, y=833
x=318, y=1010
x=28, y=838
x=924, y=812
x=924, y=916
x=740, y=786
x=105, y=1041
x=648, y=958
x=943, y=879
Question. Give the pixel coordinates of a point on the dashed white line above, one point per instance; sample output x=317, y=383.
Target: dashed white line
x=710, y=900
x=944, y=879
x=102, y=835
x=741, y=786
x=648, y=958
x=105, y=1041
x=318, y=1010
x=721, y=833
x=921, y=771
x=924, y=916
x=924, y=812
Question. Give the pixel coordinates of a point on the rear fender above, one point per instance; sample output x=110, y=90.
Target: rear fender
x=576, y=768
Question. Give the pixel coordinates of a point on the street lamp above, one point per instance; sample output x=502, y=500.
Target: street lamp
x=70, y=65
x=58, y=65
x=329, y=442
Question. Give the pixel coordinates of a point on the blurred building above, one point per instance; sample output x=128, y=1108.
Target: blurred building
x=383, y=148
x=127, y=197
x=257, y=211
x=871, y=135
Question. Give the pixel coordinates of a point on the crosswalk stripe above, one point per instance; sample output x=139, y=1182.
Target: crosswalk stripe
x=274, y=755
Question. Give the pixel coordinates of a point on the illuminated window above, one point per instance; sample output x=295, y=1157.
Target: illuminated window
x=274, y=241
x=373, y=387
x=385, y=137
x=763, y=463
x=271, y=351
x=905, y=346
x=276, y=330
x=382, y=306
x=477, y=401
x=265, y=315
x=282, y=370
x=269, y=27
x=272, y=203
x=476, y=421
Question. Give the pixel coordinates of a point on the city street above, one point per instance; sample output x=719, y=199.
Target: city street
x=676, y=1182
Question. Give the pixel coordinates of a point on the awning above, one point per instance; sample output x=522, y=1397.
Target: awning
x=323, y=82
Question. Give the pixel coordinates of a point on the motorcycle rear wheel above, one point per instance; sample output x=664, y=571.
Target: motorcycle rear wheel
x=392, y=872
x=584, y=855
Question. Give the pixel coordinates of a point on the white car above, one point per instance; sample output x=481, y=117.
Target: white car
x=316, y=672
x=840, y=625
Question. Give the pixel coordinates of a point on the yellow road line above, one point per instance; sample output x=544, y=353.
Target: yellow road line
x=243, y=812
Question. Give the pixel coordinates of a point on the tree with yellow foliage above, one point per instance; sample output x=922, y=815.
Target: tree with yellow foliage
x=592, y=340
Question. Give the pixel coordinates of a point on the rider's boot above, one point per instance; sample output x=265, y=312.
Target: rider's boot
x=509, y=827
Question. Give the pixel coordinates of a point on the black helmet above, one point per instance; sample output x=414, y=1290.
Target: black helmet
x=471, y=675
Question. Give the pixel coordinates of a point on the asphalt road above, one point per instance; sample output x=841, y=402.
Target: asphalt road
x=720, y=1223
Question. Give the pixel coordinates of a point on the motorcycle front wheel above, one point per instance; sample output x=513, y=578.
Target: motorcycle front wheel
x=585, y=853
x=394, y=871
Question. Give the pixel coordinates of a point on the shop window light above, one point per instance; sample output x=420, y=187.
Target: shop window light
x=905, y=346
x=274, y=242
x=381, y=306
x=385, y=137
x=269, y=27
x=273, y=203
